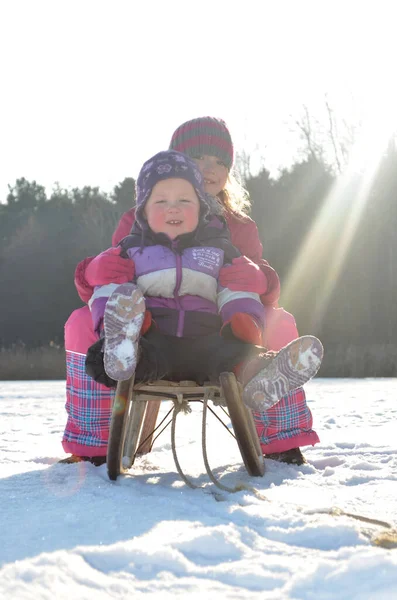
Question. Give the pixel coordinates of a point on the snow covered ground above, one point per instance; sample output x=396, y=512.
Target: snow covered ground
x=67, y=532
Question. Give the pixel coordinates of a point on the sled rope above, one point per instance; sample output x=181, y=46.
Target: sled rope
x=338, y=512
x=209, y=395
x=182, y=405
x=385, y=539
x=178, y=407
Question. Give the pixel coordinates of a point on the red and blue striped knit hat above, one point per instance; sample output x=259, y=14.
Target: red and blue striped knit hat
x=205, y=135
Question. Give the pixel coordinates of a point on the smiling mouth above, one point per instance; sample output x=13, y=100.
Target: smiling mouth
x=174, y=222
x=208, y=181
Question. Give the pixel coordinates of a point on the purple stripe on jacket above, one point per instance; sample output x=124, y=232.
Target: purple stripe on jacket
x=97, y=312
x=193, y=303
x=244, y=305
x=157, y=258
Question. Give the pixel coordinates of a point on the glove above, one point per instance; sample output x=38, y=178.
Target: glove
x=243, y=275
x=109, y=267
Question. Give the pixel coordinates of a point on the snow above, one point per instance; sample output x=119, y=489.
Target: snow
x=67, y=531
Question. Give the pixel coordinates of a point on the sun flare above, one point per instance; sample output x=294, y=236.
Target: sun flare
x=323, y=252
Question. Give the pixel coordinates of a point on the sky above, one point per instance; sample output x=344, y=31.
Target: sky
x=92, y=88
x=67, y=531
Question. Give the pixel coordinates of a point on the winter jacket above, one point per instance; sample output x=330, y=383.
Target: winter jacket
x=179, y=279
x=244, y=236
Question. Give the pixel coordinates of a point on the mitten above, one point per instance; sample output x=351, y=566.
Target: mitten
x=110, y=267
x=244, y=327
x=243, y=275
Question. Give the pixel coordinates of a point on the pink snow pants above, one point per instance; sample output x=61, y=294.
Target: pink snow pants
x=89, y=404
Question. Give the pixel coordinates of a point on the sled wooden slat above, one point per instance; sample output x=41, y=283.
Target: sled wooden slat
x=171, y=391
x=243, y=426
x=133, y=433
x=149, y=423
x=118, y=423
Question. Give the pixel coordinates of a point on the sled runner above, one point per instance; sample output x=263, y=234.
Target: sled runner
x=135, y=411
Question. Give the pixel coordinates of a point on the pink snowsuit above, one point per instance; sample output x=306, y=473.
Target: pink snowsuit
x=89, y=404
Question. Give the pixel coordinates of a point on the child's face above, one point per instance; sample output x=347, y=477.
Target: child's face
x=214, y=171
x=173, y=208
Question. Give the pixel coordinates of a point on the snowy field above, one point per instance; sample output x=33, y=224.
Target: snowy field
x=67, y=532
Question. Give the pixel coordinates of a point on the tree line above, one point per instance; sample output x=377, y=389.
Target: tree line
x=330, y=234
x=41, y=241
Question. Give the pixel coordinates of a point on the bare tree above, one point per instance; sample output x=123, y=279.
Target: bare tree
x=333, y=134
x=329, y=138
x=243, y=165
x=308, y=129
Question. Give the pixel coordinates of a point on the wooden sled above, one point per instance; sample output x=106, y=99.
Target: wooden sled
x=135, y=411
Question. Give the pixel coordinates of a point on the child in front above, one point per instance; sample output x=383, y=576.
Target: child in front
x=174, y=320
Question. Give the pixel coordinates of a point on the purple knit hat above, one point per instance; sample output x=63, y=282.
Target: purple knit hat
x=166, y=165
x=205, y=135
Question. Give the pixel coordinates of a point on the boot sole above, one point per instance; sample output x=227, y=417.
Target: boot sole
x=123, y=320
x=293, y=366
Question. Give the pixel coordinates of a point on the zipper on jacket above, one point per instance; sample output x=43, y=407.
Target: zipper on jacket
x=181, y=315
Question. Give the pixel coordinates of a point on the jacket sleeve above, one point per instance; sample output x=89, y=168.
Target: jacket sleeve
x=83, y=288
x=124, y=226
x=273, y=282
x=245, y=237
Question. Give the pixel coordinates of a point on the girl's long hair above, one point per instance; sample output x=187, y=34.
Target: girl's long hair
x=235, y=197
